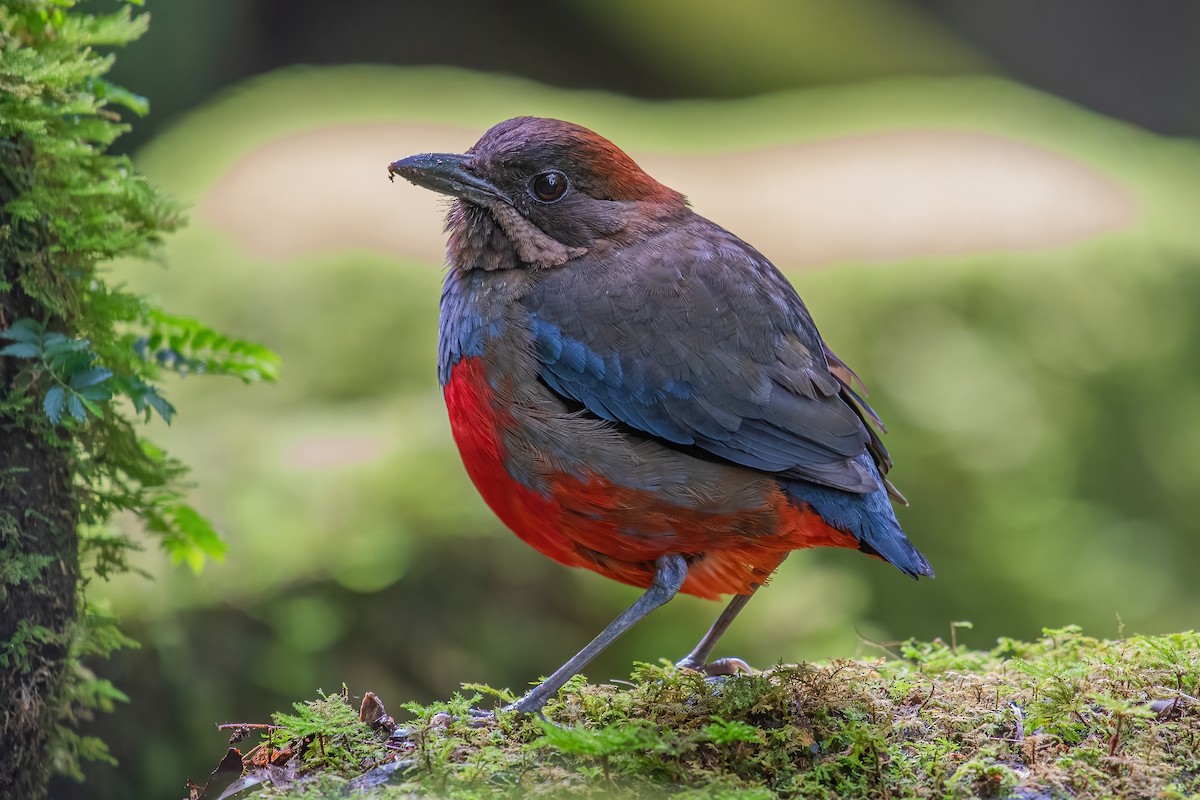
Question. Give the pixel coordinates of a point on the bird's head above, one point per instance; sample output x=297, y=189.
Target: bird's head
x=538, y=192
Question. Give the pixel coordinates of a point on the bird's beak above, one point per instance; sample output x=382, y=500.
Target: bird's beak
x=447, y=173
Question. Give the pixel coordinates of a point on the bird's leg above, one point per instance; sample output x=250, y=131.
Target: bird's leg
x=698, y=658
x=669, y=574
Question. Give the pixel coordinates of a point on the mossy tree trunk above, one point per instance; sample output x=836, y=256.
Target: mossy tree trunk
x=39, y=549
x=77, y=356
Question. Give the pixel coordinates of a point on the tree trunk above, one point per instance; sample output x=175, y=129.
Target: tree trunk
x=39, y=548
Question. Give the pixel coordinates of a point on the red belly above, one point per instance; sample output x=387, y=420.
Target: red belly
x=585, y=521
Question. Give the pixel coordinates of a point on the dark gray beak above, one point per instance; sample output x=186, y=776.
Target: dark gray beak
x=448, y=173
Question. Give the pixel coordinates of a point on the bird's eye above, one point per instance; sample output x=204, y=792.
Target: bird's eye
x=548, y=186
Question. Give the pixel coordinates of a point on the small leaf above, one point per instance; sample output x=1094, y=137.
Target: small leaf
x=22, y=350
x=96, y=410
x=90, y=377
x=194, y=539
x=23, y=330
x=160, y=404
x=75, y=406
x=75, y=361
x=53, y=404
x=111, y=93
x=58, y=350
x=95, y=394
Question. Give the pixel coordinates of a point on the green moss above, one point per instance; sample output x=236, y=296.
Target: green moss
x=1065, y=716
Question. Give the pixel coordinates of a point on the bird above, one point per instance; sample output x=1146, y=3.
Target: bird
x=635, y=390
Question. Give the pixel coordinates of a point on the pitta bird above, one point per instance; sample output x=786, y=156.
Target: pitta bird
x=635, y=390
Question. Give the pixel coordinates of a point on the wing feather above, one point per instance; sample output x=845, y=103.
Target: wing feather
x=705, y=345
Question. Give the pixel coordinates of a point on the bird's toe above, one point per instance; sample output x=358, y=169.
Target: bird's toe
x=729, y=665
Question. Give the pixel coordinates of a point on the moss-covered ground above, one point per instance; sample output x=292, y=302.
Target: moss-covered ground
x=1066, y=716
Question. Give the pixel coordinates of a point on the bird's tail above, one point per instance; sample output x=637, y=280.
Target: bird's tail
x=867, y=517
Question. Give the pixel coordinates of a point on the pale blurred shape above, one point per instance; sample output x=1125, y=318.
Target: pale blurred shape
x=326, y=452
x=883, y=196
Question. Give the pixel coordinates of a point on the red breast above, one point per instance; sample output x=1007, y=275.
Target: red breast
x=586, y=521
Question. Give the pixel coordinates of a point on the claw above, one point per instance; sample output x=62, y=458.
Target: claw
x=480, y=717
x=516, y=707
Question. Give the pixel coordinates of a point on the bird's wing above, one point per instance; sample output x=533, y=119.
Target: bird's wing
x=708, y=347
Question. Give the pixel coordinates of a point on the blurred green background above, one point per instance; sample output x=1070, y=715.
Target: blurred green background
x=992, y=209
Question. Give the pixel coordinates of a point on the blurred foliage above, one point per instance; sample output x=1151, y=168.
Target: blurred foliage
x=672, y=48
x=807, y=42
x=1041, y=407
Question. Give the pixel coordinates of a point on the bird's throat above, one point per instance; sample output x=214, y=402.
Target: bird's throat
x=534, y=246
x=500, y=238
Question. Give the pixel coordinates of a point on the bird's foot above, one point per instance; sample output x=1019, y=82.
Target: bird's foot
x=480, y=717
x=474, y=718
x=523, y=707
x=722, y=666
